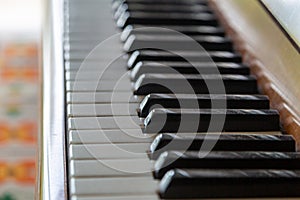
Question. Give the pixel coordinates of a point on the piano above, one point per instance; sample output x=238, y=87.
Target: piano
x=170, y=99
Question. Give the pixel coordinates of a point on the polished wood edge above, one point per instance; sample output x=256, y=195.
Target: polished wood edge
x=290, y=120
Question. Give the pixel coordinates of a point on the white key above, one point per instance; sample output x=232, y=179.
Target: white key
x=94, y=65
x=123, y=197
x=108, y=151
x=75, y=65
x=94, y=123
x=109, y=136
x=91, y=110
x=102, y=85
x=111, y=168
x=96, y=75
x=102, y=97
x=85, y=45
x=92, y=54
x=113, y=186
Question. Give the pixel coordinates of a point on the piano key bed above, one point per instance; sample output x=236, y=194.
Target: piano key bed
x=145, y=123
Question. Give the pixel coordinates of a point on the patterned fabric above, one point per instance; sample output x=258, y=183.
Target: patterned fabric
x=18, y=119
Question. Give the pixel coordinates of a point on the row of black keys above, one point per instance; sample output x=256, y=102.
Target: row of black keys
x=155, y=72
x=238, y=165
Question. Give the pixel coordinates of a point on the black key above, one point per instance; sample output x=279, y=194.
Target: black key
x=189, y=184
x=151, y=55
x=166, y=18
x=153, y=101
x=187, y=30
x=224, y=142
x=159, y=8
x=186, y=68
x=177, y=42
x=199, y=120
x=199, y=84
x=225, y=160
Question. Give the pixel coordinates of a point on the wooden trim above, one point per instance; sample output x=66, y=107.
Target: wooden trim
x=270, y=55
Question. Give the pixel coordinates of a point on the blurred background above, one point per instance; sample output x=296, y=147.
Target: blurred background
x=20, y=35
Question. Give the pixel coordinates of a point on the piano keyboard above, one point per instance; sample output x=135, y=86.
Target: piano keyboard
x=146, y=124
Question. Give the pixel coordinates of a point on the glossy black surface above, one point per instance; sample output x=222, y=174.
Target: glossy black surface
x=187, y=184
x=152, y=101
x=225, y=160
x=187, y=68
x=151, y=55
x=195, y=84
x=224, y=142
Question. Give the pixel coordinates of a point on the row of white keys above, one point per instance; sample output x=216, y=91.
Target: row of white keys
x=107, y=168
x=110, y=163
x=115, y=163
x=107, y=150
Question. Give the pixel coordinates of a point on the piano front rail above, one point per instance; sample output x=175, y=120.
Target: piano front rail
x=51, y=178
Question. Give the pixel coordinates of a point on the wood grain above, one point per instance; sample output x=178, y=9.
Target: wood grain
x=270, y=55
